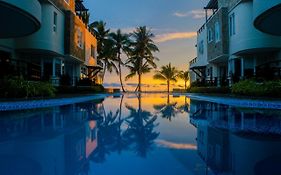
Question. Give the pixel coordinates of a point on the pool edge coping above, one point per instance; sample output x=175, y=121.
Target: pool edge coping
x=236, y=102
x=46, y=103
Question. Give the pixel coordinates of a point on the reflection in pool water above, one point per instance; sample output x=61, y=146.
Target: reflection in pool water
x=147, y=134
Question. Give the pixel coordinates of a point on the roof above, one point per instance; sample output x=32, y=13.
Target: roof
x=213, y=4
x=79, y=6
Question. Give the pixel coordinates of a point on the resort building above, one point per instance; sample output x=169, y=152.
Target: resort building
x=47, y=40
x=238, y=42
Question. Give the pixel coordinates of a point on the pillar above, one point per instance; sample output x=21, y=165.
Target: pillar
x=54, y=67
x=42, y=67
x=255, y=65
x=242, y=68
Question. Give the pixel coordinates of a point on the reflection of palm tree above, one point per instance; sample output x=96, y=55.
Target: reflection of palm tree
x=140, y=132
x=110, y=137
x=185, y=106
x=167, y=110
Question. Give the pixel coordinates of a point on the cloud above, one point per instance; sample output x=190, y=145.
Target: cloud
x=172, y=145
x=174, y=36
x=124, y=30
x=195, y=14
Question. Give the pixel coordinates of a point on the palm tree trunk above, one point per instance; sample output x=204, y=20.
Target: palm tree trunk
x=120, y=73
x=104, y=71
x=139, y=82
x=168, y=84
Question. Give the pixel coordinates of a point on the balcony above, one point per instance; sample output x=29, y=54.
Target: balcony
x=267, y=16
x=20, y=17
x=49, y=39
x=247, y=39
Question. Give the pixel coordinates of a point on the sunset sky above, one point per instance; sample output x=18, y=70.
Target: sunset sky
x=174, y=22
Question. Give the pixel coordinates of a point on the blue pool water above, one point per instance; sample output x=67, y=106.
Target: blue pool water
x=148, y=135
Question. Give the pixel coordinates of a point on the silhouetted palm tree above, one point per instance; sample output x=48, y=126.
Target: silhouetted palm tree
x=104, y=46
x=120, y=44
x=167, y=73
x=184, y=75
x=141, y=56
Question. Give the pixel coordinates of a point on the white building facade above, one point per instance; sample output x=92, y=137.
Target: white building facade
x=239, y=44
x=48, y=41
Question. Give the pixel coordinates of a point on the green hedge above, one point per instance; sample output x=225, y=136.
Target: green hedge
x=211, y=90
x=252, y=88
x=14, y=87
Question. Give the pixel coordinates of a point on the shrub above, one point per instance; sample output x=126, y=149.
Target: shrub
x=252, y=88
x=14, y=87
x=214, y=90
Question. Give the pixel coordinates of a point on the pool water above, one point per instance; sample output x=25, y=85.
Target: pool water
x=149, y=134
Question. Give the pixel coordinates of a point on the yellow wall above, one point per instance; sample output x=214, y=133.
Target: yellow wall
x=90, y=40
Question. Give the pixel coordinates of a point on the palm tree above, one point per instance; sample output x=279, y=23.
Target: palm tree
x=167, y=73
x=141, y=59
x=120, y=44
x=104, y=47
x=185, y=76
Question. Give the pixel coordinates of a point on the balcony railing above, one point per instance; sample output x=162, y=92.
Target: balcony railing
x=193, y=61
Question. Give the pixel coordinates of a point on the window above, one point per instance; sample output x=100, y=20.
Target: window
x=210, y=35
x=201, y=47
x=55, y=22
x=79, y=38
x=232, y=29
x=93, y=51
x=217, y=32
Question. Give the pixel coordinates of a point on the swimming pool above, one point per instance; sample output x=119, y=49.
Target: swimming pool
x=136, y=135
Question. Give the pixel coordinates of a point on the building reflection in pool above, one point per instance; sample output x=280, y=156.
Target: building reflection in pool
x=65, y=140
x=237, y=141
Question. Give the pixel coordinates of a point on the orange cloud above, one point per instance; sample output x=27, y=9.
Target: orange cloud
x=174, y=36
x=195, y=14
x=173, y=145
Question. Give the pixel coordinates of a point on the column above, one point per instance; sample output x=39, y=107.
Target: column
x=242, y=68
x=255, y=65
x=54, y=68
x=42, y=68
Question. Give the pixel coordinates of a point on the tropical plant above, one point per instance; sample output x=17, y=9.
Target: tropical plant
x=141, y=59
x=120, y=44
x=167, y=73
x=104, y=47
x=184, y=75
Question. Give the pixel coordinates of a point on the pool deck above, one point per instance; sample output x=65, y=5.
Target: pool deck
x=237, y=101
x=34, y=104
x=232, y=101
